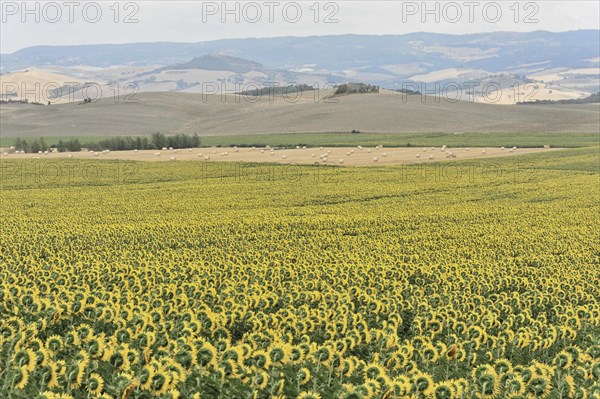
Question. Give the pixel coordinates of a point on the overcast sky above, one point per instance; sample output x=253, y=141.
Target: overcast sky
x=64, y=22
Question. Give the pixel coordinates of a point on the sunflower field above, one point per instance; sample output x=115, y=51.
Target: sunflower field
x=199, y=280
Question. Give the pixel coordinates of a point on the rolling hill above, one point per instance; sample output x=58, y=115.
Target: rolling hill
x=230, y=115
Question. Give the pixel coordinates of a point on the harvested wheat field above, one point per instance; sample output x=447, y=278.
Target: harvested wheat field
x=351, y=156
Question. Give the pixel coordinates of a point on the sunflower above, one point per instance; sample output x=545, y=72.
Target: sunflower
x=452, y=352
x=84, y=331
x=460, y=386
x=186, y=356
x=461, y=354
x=563, y=360
x=175, y=371
x=373, y=385
x=323, y=355
x=366, y=390
x=261, y=379
x=95, y=384
x=19, y=377
x=347, y=367
x=569, y=385
x=160, y=381
x=95, y=347
x=486, y=381
x=411, y=367
x=50, y=374
x=580, y=393
x=541, y=369
x=206, y=354
x=355, y=393
x=25, y=358
x=515, y=385
x=373, y=370
x=74, y=374
x=262, y=360
x=308, y=395
x=146, y=376
x=228, y=367
x=303, y=376
x=444, y=390
x=429, y=353
x=234, y=353
x=539, y=387
x=503, y=366
x=423, y=383
x=296, y=355
x=279, y=354
x=574, y=351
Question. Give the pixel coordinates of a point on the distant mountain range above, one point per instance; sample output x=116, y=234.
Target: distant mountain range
x=401, y=55
x=561, y=66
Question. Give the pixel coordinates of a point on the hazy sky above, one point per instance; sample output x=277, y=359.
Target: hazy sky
x=74, y=22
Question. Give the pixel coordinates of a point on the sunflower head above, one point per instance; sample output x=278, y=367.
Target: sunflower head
x=303, y=376
x=309, y=395
x=206, y=354
x=296, y=355
x=278, y=354
x=18, y=377
x=503, y=366
x=443, y=391
x=515, y=385
x=563, y=360
x=423, y=383
x=486, y=381
x=539, y=387
x=94, y=384
x=262, y=359
x=261, y=379
x=373, y=371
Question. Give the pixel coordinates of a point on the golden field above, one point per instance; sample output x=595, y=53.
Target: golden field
x=350, y=156
x=471, y=279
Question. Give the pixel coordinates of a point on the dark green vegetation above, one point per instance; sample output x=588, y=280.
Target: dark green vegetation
x=155, y=141
x=279, y=91
x=592, y=99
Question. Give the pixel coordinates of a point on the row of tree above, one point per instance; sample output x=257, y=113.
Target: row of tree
x=34, y=145
x=277, y=90
x=155, y=141
x=352, y=88
x=592, y=99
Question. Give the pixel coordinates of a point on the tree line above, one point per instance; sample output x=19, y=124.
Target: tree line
x=277, y=90
x=592, y=99
x=153, y=142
